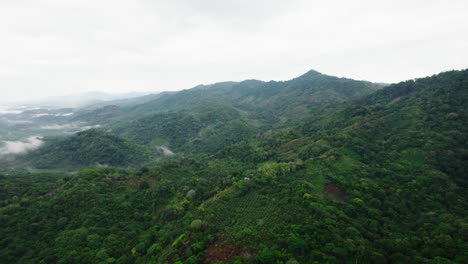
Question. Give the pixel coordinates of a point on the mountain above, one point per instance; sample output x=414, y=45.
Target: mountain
x=98, y=115
x=130, y=101
x=269, y=102
x=375, y=180
x=82, y=99
x=206, y=118
x=185, y=121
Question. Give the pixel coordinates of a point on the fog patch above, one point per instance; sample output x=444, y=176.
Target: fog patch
x=100, y=165
x=75, y=125
x=48, y=114
x=21, y=146
x=89, y=127
x=41, y=114
x=166, y=151
x=60, y=127
x=4, y=110
x=19, y=121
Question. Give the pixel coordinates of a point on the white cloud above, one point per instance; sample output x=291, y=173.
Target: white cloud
x=166, y=151
x=63, y=126
x=48, y=114
x=88, y=127
x=21, y=147
x=5, y=110
x=54, y=47
x=19, y=121
x=75, y=126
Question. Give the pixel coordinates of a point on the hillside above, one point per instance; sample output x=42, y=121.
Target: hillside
x=269, y=102
x=204, y=119
x=378, y=180
x=88, y=148
x=209, y=118
x=203, y=128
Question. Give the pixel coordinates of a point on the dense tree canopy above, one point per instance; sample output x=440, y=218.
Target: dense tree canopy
x=376, y=180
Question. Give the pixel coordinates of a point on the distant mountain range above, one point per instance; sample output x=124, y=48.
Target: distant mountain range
x=79, y=99
x=208, y=118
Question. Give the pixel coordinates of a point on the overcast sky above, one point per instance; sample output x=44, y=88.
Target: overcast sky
x=57, y=47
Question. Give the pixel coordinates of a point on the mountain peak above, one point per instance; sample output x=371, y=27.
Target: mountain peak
x=311, y=73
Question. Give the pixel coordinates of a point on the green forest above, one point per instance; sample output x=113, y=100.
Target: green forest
x=317, y=169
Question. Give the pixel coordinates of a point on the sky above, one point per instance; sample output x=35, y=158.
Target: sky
x=56, y=47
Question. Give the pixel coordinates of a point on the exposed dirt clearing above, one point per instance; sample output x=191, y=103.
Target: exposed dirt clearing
x=221, y=250
x=332, y=191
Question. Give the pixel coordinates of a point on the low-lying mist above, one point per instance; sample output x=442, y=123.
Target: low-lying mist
x=21, y=146
x=77, y=126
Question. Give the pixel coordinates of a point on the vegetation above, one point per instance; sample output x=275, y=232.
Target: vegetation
x=269, y=103
x=88, y=148
x=375, y=180
x=205, y=128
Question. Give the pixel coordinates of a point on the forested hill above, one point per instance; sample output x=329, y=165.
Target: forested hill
x=205, y=119
x=269, y=102
x=380, y=180
x=88, y=148
x=200, y=129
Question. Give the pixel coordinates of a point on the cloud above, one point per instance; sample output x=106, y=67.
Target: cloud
x=49, y=114
x=77, y=126
x=41, y=115
x=21, y=147
x=19, y=121
x=60, y=127
x=88, y=127
x=4, y=110
x=54, y=47
x=166, y=151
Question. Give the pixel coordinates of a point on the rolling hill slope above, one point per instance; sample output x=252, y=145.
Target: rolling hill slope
x=268, y=102
x=381, y=180
x=88, y=148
